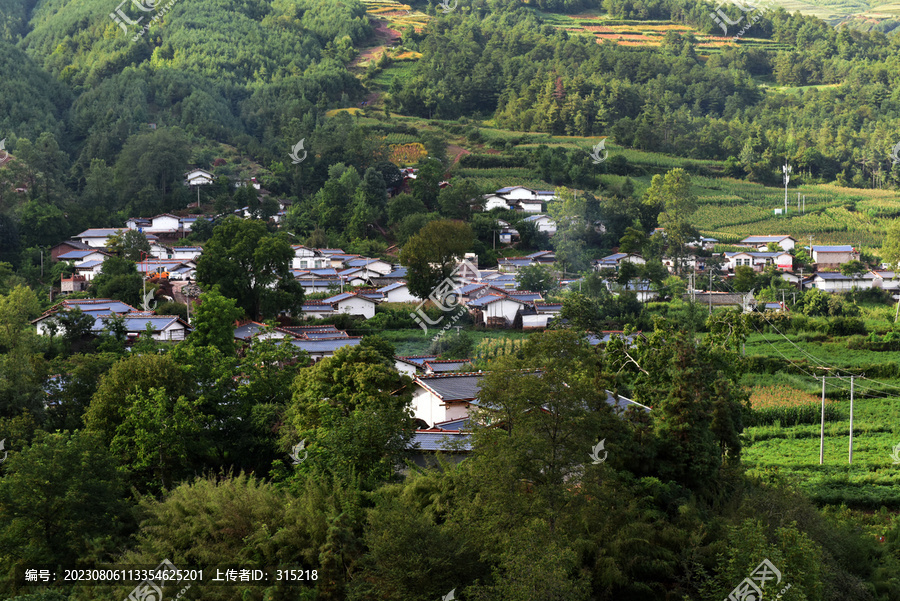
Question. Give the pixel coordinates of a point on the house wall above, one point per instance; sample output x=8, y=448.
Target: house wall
x=531, y=207
x=832, y=258
x=95, y=242
x=357, y=306
x=427, y=407
x=186, y=255
x=405, y=368
x=175, y=331
x=401, y=295
x=496, y=202
x=502, y=308
x=520, y=194
x=163, y=223
x=841, y=285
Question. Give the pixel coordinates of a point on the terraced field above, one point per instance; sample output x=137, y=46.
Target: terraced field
x=643, y=33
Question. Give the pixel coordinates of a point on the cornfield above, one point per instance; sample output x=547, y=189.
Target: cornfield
x=788, y=406
x=407, y=154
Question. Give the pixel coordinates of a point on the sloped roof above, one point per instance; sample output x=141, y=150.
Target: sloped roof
x=446, y=364
x=435, y=439
x=833, y=249
x=453, y=386
x=392, y=287
x=764, y=239
x=99, y=232
x=325, y=346
x=76, y=254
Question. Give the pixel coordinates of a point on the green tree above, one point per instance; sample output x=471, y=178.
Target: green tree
x=119, y=279
x=130, y=245
x=62, y=502
x=673, y=196
x=213, y=322
x=433, y=253
x=251, y=266
x=537, y=278
x=155, y=436
x=353, y=411
x=568, y=211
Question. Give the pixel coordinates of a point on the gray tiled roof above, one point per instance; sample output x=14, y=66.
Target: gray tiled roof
x=325, y=346
x=441, y=441
x=453, y=387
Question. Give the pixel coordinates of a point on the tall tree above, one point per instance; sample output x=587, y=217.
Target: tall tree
x=672, y=195
x=251, y=266
x=432, y=254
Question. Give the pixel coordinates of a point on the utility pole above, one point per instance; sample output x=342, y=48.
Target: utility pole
x=850, y=458
x=709, y=291
x=786, y=170
x=822, y=430
x=798, y=202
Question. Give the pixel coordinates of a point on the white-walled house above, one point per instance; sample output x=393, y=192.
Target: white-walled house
x=309, y=258
x=398, y=292
x=886, y=280
x=615, y=260
x=543, y=223
x=97, y=237
x=186, y=253
x=373, y=266
x=442, y=397
x=759, y=260
x=198, y=177
x=838, y=282
x=494, y=201
x=497, y=306
x=80, y=257
x=762, y=242
x=346, y=302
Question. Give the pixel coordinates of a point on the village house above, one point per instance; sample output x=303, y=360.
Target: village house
x=345, y=302
x=543, y=224
x=97, y=237
x=398, y=292
x=830, y=258
x=759, y=260
x=442, y=397
x=496, y=309
x=615, y=260
x=198, y=177
x=837, y=282
x=762, y=242
x=309, y=258
x=321, y=348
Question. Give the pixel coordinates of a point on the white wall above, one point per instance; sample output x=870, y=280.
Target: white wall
x=357, y=306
